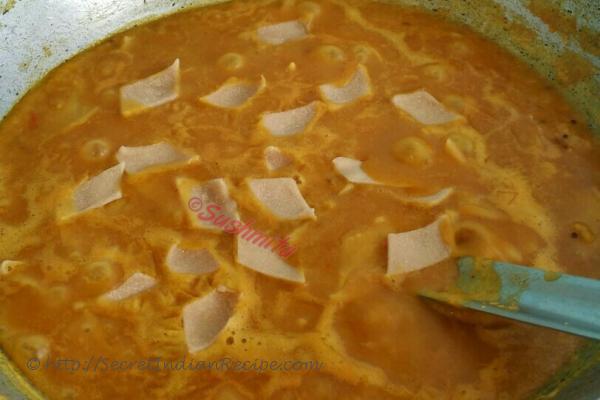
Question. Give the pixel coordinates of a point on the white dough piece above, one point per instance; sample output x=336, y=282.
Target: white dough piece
x=357, y=87
x=417, y=249
x=234, y=93
x=351, y=169
x=275, y=158
x=191, y=261
x=423, y=107
x=290, y=122
x=433, y=199
x=140, y=158
x=135, y=284
x=152, y=91
x=99, y=190
x=281, y=197
x=265, y=261
x=208, y=200
x=206, y=317
x=283, y=32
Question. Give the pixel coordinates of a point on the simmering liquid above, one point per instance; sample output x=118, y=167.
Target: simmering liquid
x=520, y=168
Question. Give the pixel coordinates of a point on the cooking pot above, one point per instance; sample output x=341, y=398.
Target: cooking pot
x=560, y=39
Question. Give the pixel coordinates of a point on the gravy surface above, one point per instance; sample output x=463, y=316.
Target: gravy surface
x=527, y=192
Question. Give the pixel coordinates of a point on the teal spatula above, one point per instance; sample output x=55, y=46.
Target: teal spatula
x=559, y=301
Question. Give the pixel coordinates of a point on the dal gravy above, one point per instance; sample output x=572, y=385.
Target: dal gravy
x=512, y=168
